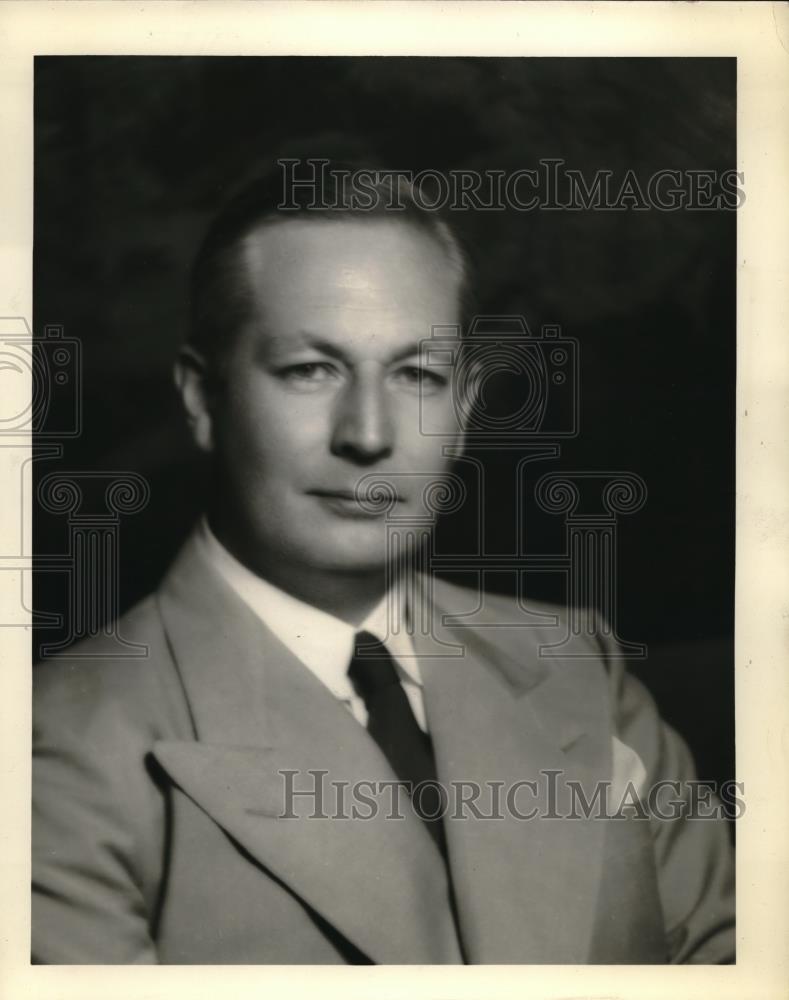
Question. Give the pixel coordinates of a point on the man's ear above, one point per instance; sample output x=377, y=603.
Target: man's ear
x=191, y=380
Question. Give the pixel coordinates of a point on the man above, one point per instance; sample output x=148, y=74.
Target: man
x=188, y=808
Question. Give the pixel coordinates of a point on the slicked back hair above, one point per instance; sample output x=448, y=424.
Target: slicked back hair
x=220, y=299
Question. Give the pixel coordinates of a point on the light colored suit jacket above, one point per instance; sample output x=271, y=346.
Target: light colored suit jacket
x=158, y=797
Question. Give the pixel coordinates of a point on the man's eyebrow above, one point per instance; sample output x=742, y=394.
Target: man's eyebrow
x=335, y=351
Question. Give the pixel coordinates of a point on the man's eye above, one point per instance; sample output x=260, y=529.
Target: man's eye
x=421, y=378
x=308, y=373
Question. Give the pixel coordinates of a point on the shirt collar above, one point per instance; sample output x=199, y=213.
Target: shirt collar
x=321, y=641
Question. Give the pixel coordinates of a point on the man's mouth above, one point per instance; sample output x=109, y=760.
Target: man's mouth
x=380, y=492
x=373, y=501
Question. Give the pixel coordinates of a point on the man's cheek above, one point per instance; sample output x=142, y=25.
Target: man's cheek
x=436, y=419
x=426, y=452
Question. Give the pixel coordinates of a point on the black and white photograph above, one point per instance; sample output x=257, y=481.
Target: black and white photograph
x=382, y=557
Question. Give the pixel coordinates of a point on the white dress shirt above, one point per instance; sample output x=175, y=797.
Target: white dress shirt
x=322, y=642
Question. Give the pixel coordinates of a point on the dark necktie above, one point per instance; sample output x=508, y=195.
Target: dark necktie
x=392, y=725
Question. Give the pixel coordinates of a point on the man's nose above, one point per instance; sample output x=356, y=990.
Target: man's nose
x=363, y=429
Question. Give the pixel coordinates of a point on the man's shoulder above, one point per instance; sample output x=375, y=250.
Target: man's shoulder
x=519, y=625
x=124, y=675
x=534, y=646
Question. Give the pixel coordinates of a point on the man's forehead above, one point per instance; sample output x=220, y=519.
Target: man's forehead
x=347, y=281
x=342, y=244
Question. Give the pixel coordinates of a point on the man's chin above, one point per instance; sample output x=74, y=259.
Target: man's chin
x=344, y=560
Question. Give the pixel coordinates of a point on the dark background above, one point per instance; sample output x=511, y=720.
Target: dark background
x=133, y=155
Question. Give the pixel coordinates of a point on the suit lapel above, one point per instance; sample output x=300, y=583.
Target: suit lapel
x=525, y=889
x=260, y=715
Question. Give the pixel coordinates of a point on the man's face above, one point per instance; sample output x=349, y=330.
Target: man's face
x=324, y=386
